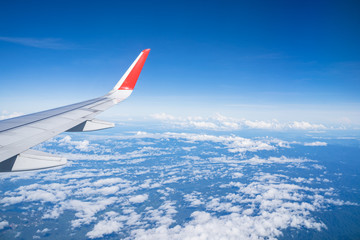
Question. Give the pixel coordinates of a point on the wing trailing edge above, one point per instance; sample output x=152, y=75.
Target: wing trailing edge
x=31, y=160
x=92, y=125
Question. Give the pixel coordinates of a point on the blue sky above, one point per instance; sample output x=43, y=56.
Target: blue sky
x=260, y=60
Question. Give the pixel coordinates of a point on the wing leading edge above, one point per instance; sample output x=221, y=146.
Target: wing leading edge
x=18, y=135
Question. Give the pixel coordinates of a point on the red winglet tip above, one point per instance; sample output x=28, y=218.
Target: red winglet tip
x=133, y=76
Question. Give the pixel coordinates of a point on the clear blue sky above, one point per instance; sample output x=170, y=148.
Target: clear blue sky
x=290, y=60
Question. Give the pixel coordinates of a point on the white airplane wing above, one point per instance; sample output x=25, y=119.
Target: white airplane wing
x=18, y=135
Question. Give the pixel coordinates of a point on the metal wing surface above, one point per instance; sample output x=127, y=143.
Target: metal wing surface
x=18, y=135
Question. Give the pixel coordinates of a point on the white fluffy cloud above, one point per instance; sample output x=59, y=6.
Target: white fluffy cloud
x=258, y=210
x=275, y=160
x=80, y=145
x=34, y=193
x=3, y=224
x=194, y=198
x=201, y=186
x=6, y=114
x=220, y=122
x=315, y=144
x=233, y=226
x=306, y=126
x=104, y=227
x=162, y=116
x=233, y=143
x=139, y=198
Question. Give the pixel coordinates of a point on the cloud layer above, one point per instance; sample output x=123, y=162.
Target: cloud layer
x=171, y=186
x=220, y=122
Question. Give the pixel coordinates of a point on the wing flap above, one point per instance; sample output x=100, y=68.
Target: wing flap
x=34, y=160
x=91, y=125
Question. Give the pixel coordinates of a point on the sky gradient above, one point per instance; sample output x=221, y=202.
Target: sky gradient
x=259, y=60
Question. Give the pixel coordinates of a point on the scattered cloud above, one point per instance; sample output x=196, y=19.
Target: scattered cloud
x=305, y=126
x=259, y=161
x=80, y=145
x=110, y=225
x=6, y=114
x=232, y=191
x=233, y=143
x=88, y=150
x=139, y=198
x=260, y=209
x=313, y=144
x=3, y=224
x=45, y=230
x=220, y=122
x=194, y=198
x=162, y=116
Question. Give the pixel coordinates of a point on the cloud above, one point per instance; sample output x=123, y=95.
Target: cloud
x=222, y=123
x=139, y=198
x=100, y=152
x=80, y=145
x=108, y=181
x=189, y=148
x=260, y=209
x=194, y=198
x=305, y=126
x=162, y=116
x=233, y=226
x=233, y=143
x=6, y=114
x=3, y=224
x=85, y=210
x=162, y=216
x=148, y=184
x=47, y=43
x=313, y=144
x=215, y=205
x=231, y=190
x=317, y=166
x=256, y=160
x=74, y=150
x=102, y=191
x=45, y=230
x=34, y=193
x=275, y=160
x=107, y=226
x=237, y=175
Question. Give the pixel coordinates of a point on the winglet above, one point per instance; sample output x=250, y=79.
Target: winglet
x=129, y=79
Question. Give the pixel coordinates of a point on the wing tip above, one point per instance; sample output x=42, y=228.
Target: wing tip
x=131, y=79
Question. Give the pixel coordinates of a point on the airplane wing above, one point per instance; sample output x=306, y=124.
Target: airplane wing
x=18, y=135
